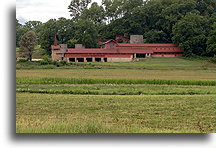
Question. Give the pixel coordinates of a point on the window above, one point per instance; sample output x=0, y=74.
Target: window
x=97, y=59
x=89, y=59
x=72, y=59
x=140, y=55
x=80, y=59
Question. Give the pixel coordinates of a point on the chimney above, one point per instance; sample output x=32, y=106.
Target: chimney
x=55, y=40
x=136, y=39
x=63, y=47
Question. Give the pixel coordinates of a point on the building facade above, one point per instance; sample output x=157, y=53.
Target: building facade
x=112, y=51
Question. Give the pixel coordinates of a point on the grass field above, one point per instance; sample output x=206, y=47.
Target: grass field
x=45, y=113
x=155, y=95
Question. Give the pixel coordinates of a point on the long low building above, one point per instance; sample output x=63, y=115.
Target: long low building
x=111, y=51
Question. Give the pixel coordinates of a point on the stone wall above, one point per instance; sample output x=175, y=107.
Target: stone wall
x=55, y=56
x=119, y=59
x=165, y=55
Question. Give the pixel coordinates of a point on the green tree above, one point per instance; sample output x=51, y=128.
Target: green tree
x=130, y=5
x=20, y=31
x=33, y=25
x=190, y=33
x=95, y=13
x=211, y=42
x=27, y=43
x=64, y=28
x=76, y=8
x=155, y=36
x=86, y=33
x=18, y=24
x=206, y=7
x=48, y=31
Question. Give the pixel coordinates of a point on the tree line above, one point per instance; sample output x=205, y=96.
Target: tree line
x=189, y=23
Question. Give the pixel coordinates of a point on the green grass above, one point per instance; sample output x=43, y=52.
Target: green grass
x=113, y=89
x=46, y=113
x=151, y=68
x=118, y=74
x=147, y=64
x=155, y=95
x=111, y=81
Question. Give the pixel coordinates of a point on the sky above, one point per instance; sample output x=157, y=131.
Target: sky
x=43, y=10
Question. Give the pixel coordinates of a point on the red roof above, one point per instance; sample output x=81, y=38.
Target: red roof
x=144, y=45
x=111, y=50
x=53, y=47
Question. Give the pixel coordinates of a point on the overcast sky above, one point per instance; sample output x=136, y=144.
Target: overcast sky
x=42, y=10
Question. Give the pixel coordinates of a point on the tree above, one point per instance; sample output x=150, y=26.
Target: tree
x=86, y=33
x=49, y=29
x=206, y=7
x=95, y=14
x=27, y=43
x=33, y=25
x=20, y=31
x=76, y=8
x=155, y=36
x=18, y=24
x=64, y=28
x=130, y=5
x=190, y=33
x=211, y=41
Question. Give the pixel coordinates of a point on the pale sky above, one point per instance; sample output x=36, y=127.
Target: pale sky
x=43, y=10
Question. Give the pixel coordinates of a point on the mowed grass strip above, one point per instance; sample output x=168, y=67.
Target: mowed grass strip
x=171, y=74
x=46, y=113
x=116, y=89
x=25, y=80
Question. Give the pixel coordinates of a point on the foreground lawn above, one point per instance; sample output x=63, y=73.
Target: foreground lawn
x=65, y=113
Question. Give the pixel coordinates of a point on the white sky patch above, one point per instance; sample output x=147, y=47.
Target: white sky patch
x=43, y=10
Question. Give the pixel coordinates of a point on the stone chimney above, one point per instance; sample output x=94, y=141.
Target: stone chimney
x=136, y=39
x=63, y=47
x=79, y=46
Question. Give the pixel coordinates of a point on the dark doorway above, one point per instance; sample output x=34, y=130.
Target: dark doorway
x=80, y=59
x=105, y=59
x=89, y=59
x=97, y=59
x=72, y=59
x=140, y=55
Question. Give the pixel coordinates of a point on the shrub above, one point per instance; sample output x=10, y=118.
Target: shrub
x=22, y=60
x=44, y=62
x=47, y=59
x=212, y=59
x=64, y=62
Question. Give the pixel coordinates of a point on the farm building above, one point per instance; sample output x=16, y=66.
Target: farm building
x=112, y=51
